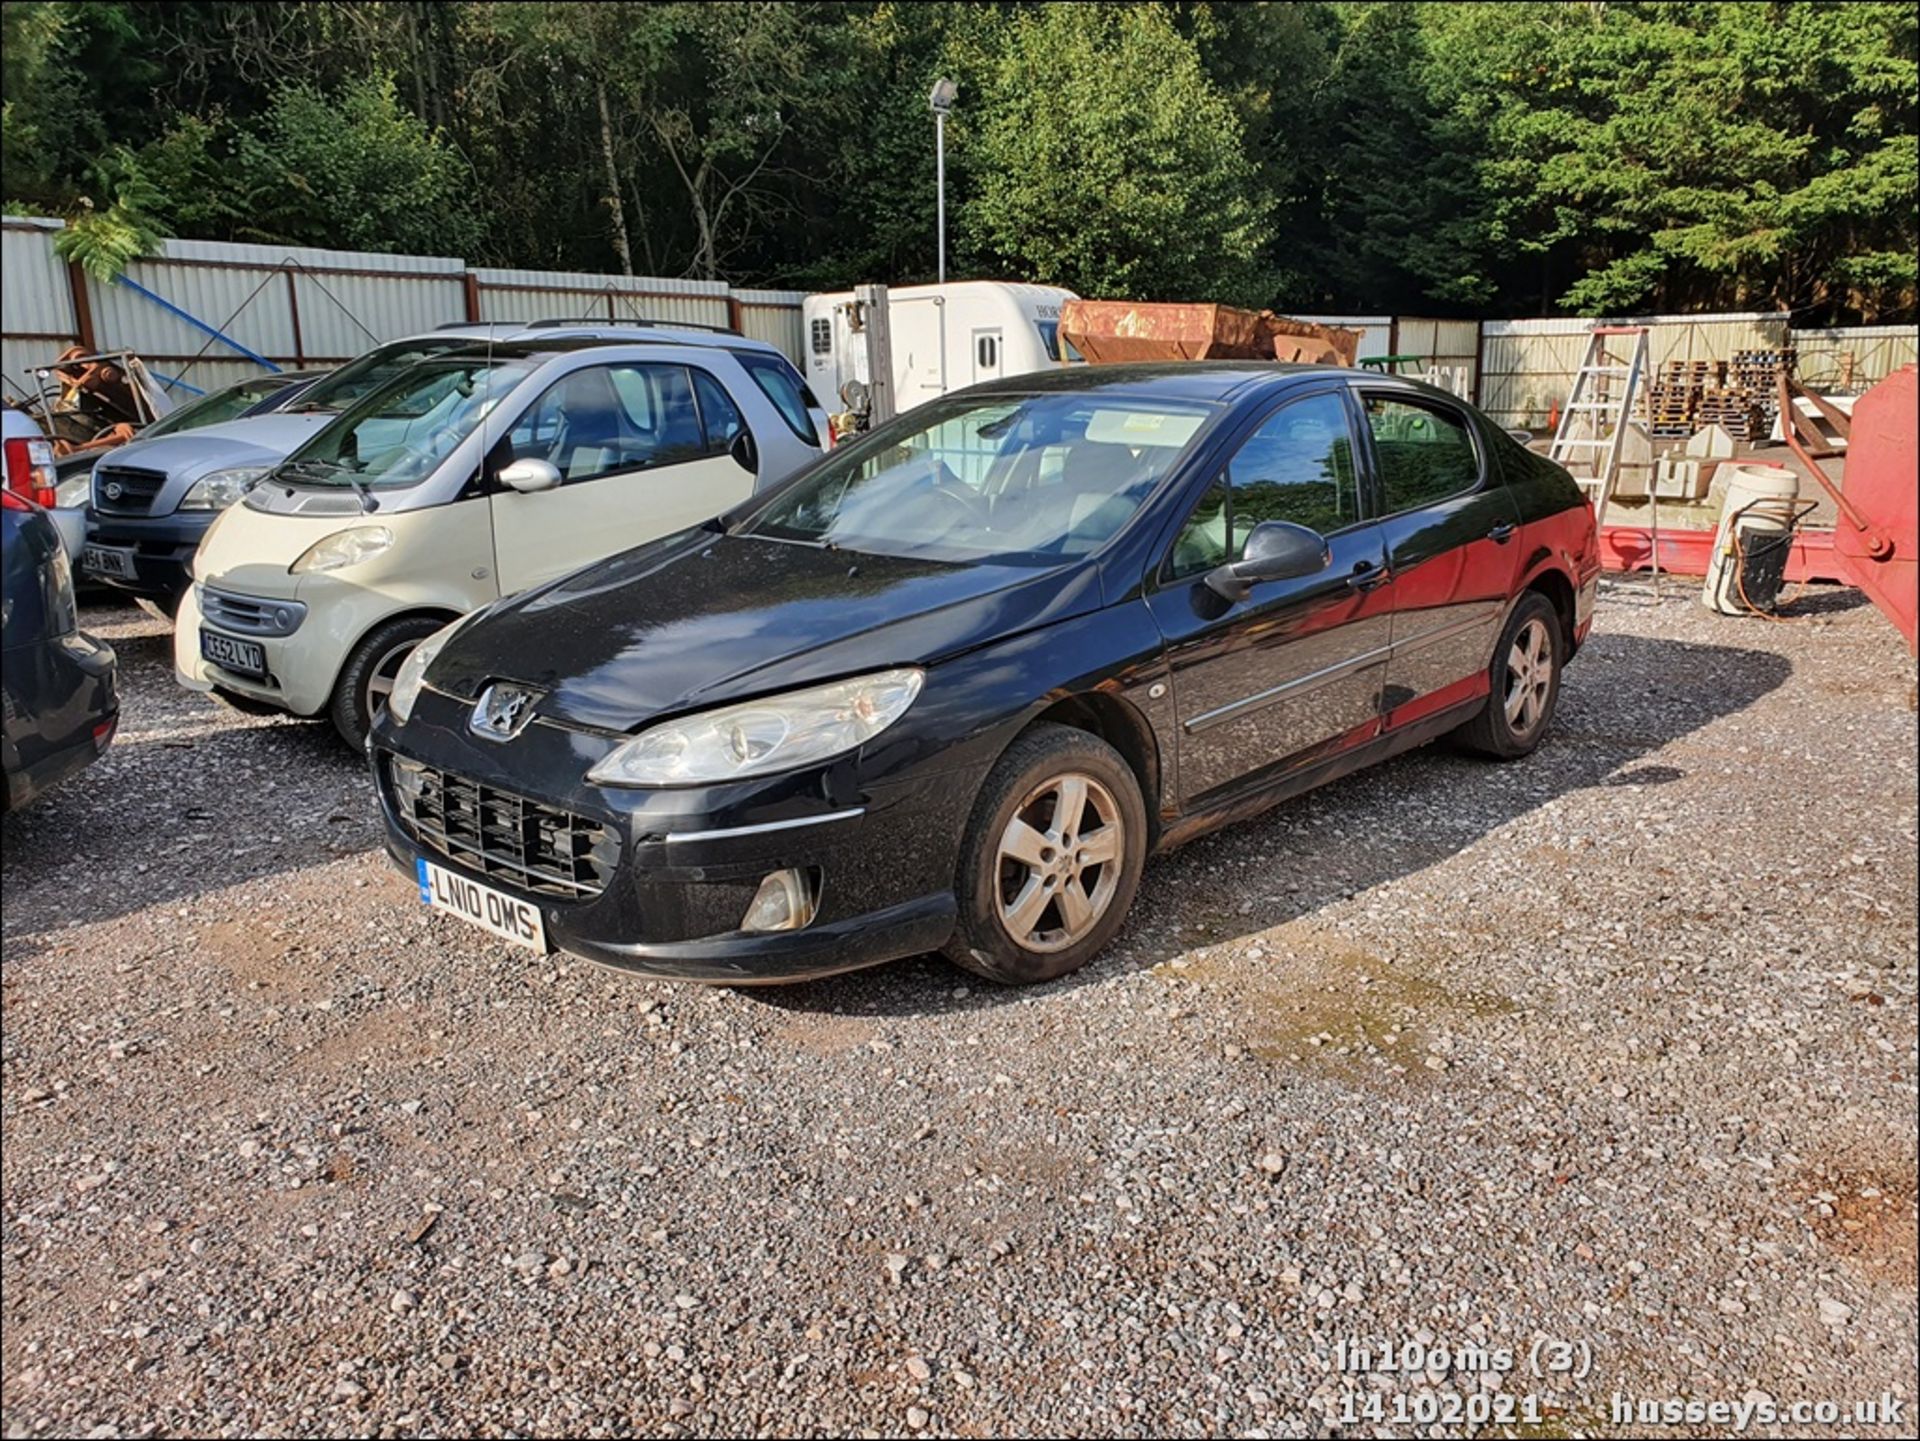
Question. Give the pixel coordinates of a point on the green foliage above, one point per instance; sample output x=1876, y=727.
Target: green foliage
x=358, y=169
x=1352, y=155
x=1108, y=162
x=107, y=241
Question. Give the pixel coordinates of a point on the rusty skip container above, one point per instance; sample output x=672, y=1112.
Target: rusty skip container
x=1110, y=331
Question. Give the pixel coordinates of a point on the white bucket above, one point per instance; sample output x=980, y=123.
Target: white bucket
x=1759, y=498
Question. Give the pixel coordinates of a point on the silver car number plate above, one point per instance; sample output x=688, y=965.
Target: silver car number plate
x=106, y=560
x=505, y=916
x=242, y=657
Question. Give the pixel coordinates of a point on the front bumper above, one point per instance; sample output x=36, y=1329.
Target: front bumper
x=301, y=667
x=881, y=856
x=162, y=550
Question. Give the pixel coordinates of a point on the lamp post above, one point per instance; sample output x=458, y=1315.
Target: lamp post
x=940, y=101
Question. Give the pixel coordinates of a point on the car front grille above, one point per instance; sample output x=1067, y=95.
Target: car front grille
x=531, y=847
x=246, y=615
x=126, y=489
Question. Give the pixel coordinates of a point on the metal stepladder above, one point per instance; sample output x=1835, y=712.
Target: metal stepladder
x=1592, y=432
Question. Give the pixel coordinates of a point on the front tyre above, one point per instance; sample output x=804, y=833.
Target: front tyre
x=1051, y=859
x=368, y=676
x=1524, y=683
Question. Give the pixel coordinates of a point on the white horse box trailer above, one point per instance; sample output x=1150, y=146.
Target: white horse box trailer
x=944, y=337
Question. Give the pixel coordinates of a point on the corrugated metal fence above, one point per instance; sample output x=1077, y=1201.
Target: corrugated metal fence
x=295, y=306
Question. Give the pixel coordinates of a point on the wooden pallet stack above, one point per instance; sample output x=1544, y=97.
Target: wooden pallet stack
x=1744, y=398
x=1673, y=400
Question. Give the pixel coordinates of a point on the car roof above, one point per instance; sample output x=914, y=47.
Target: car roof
x=597, y=329
x=527, y=347
x=1211, y=380
x=1171, y=379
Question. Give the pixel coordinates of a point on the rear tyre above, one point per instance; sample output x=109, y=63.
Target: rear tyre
x=1051, y=859
x=367, y=677
x=1524, y=683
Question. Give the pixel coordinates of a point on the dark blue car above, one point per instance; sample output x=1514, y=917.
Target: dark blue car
x=61, y=708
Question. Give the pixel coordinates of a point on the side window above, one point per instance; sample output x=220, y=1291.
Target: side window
x=1424, y=452
x=1298, y=466
x=719, y=416
x=1202, y=542
x=781, y=384
x=610, y=418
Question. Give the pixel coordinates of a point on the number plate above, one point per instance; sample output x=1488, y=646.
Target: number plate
x=105, y=560
x=505, y=916
x=242, y=657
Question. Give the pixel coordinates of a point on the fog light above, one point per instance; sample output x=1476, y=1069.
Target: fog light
x=784, y=902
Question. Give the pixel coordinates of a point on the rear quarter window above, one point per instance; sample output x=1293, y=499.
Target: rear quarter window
x=782, y=385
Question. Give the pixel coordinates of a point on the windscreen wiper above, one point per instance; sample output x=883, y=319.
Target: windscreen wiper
x=332, y=468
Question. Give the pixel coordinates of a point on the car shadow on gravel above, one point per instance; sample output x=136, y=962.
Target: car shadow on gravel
x=164, y=818
x=1625, y=697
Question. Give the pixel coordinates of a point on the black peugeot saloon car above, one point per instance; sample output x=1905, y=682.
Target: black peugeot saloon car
x=948, y=688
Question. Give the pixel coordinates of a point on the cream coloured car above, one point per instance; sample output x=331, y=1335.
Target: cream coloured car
x=473, y=474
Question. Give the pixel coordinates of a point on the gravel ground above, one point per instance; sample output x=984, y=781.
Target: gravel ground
x=1612, y=1048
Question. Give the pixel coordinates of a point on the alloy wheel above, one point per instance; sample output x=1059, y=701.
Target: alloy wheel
x=1059, y=862
x=385, y=671
x=1529, y=676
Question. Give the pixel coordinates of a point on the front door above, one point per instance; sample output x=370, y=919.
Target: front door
x=1293, y=672
x=642, y=451
x=1450, y=524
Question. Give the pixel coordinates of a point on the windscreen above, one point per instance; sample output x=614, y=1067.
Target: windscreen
x=1030, y=480
x=399, y=434
x=361, y=377
x=222, y=405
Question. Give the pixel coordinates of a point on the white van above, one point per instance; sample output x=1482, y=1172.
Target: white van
x=945, y=337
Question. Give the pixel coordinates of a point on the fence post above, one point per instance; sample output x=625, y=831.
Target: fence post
x=293, y=311
x=472, y=286
x=736, y=314
x=82, y=307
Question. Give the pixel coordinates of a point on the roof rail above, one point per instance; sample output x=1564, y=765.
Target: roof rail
x=555, y=322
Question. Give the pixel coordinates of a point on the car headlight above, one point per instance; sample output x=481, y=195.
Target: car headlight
x=343, y=548
x=73, y=492
x=222, y=488
x=759, y=737
x=413, y=670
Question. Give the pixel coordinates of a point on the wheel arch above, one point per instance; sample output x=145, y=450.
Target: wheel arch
x=1557, y=586
x=1121, y=725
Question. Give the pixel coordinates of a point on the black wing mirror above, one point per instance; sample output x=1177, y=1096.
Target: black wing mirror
x=745, y=453
x=1275, y=550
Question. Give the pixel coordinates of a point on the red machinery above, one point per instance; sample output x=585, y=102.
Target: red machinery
x=1873, y=545
x=1876, y=541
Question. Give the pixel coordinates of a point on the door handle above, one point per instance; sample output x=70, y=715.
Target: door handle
x=1501, y=533
x=1365, y=576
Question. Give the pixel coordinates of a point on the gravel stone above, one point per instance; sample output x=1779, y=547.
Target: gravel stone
x=1667, y=964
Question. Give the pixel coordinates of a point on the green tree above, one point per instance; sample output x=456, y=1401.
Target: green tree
x=357, y=169
x=1107, y=161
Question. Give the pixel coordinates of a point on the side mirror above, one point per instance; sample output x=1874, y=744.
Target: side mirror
x=745, y=453
x=1275, y=550
x=530, y=476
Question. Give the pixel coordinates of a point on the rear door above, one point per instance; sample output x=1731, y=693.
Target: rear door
x=1292, y=673
x=642, y=451
x=1450, y=525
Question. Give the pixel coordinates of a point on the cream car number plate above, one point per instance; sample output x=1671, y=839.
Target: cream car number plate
x=505, y=916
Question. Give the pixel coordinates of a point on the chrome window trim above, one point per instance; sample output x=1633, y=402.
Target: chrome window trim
x=764, y=828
